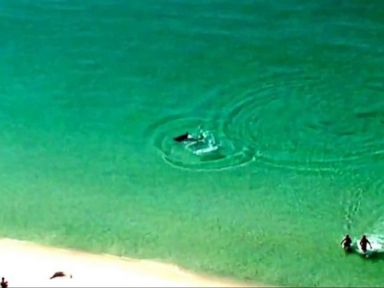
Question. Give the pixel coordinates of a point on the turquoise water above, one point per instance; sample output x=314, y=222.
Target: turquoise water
x=92, y=93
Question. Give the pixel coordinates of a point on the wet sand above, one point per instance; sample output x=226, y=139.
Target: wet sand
x=26, y=264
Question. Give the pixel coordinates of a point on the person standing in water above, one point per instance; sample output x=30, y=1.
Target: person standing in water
x=347, y=243
x=363, y=243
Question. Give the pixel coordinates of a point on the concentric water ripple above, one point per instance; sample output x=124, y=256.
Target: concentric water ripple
x=297, y=124
x=231, y=153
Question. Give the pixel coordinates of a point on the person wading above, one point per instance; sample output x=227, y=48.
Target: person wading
x=363, y=243
x=347, y=243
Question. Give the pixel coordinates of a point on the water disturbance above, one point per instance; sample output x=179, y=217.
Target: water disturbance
x=284, y=101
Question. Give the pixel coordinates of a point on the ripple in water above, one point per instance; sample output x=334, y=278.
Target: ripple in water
x=305, y=124
x=297, y=123
x=230, y=154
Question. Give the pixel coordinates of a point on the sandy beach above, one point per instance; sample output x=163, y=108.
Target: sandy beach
x=26, y=264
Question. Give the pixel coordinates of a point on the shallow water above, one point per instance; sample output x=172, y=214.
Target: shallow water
x=92, y=94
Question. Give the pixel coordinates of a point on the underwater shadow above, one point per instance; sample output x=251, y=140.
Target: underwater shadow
x=375, y=256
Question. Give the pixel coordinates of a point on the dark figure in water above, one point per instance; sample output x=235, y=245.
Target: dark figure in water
x=363, y=243
x=347, y=243
x=4, y=284
x=183, y=137
x=188, y=137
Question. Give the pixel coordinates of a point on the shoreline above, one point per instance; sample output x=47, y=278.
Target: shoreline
x=27, y=264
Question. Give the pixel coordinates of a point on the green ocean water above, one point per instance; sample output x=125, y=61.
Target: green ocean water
x=92, y=93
